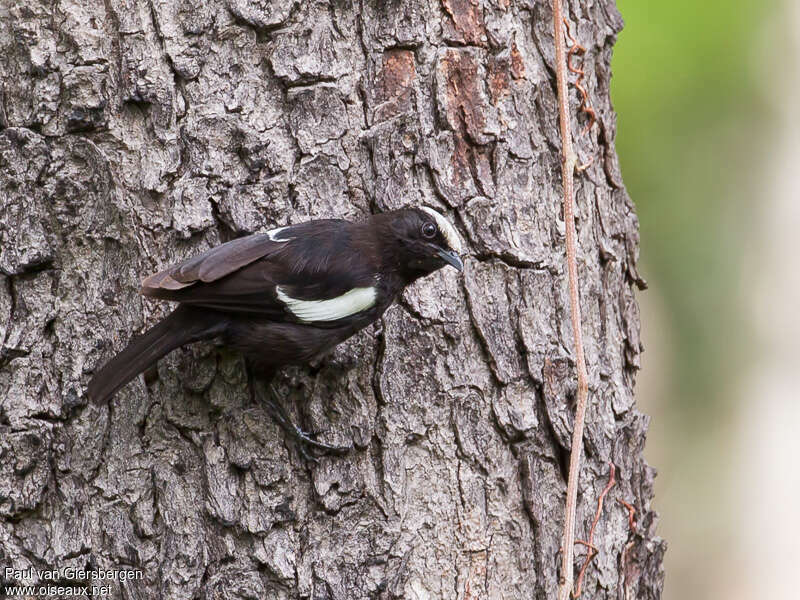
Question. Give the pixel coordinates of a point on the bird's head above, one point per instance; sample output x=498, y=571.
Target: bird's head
x=424, y=241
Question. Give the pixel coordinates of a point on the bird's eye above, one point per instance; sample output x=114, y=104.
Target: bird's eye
x=429, y=230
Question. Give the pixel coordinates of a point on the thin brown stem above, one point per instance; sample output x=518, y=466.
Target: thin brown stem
x=631, y=514
x=568, y=161
x=576, y=48
x=589, y=543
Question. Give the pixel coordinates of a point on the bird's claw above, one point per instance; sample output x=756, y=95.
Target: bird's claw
x=305, y=453
x=305, y=442
x=303, y=439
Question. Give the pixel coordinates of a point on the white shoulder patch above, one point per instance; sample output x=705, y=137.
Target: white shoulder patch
x=448, y=231
x=349, y=303
x=273, y=234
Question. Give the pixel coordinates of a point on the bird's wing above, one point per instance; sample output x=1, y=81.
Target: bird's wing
x=215, y=263
x=309, y=273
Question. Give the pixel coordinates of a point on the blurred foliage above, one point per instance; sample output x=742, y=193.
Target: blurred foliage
x=685, y=91
x=691, y=120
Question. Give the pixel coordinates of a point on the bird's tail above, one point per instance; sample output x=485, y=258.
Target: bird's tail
x=184, y=325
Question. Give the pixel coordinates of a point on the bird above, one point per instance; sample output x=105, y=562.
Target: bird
x=287, y=296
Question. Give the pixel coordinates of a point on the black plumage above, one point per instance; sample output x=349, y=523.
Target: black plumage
x=289, y=295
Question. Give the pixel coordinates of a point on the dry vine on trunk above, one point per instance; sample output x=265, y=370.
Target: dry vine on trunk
x=134, y=133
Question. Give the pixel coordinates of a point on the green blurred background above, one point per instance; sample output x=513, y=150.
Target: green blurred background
x=706, y=95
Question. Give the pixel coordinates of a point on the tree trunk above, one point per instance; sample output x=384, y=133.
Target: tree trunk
x=134, y=133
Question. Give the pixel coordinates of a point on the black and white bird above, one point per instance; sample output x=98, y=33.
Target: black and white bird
x=289, y=295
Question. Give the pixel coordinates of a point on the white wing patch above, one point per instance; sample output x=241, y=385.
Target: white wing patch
x=273, y=234
x=349, y=303
x=448, y=231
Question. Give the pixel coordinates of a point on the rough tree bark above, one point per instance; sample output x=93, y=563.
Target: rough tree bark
x=136, y=132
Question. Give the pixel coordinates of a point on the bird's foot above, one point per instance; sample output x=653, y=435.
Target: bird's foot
x=305, y=443
x=302, y=438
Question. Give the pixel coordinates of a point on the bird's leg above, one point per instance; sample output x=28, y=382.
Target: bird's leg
x=282, y=418
x=276, y=410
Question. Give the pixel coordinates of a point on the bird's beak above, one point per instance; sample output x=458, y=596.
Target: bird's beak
x=451, y=258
